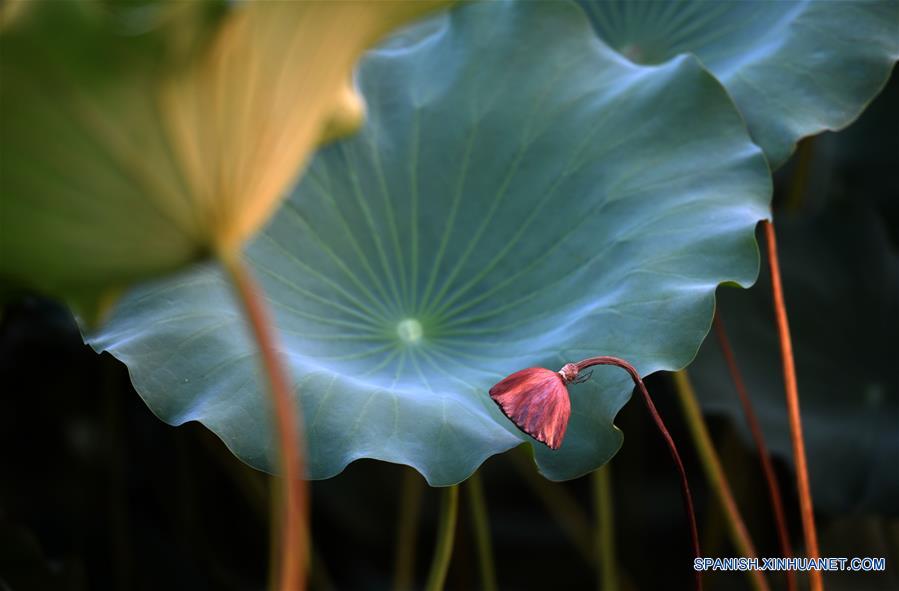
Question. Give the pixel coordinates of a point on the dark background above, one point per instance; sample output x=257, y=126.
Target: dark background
x=97, y=493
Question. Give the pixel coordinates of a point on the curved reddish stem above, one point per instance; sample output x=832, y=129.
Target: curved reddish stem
x=685, y=487
x=759, y=439
x=294, y=546
x=717, y=479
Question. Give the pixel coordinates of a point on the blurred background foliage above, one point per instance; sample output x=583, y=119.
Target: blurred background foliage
x=97, y=493
x=141, y=137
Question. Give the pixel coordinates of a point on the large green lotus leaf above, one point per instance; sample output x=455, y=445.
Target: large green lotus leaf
x=506, y=205
x=794, y=68
x=841, y=281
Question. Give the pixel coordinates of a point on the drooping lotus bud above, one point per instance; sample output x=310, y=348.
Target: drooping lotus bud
x=536, y=400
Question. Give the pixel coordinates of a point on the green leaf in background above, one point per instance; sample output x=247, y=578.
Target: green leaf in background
x=506, y=205
x=794, y=68
x=139, y=137
x=841, y=281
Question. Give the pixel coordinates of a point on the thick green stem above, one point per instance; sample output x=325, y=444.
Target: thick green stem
x=407, y=528
x=292, y=504
x=605, y=528
x=715, y=475
x=481, y=524
x=446, y=535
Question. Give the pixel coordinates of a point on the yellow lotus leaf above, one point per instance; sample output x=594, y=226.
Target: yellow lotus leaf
x=136, y=138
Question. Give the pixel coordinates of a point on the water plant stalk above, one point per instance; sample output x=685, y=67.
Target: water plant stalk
x=446, y=535
x=481, y=526
x=792, y=394
x=714, y=472
x=569, y=373
x=407, y=528
x=558, y=502
x=291, y=509
x=537, y=401
x=605, y=528
x=755, y=428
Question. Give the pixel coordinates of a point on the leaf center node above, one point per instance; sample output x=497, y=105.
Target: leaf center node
x=409, y=330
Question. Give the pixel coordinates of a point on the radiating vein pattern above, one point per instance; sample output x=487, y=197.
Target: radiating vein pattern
x=503, y=205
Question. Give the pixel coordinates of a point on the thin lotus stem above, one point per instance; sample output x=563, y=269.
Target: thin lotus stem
x=407, y=528
x=292, y=519
x=446, y=534
x=558, y=501
x=716, y=477
x=605, y=528
x=792, y=394
x=481, y=524
x=672, y=448
x=758, y=437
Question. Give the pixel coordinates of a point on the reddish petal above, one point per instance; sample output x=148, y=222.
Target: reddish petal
x=536, y=400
